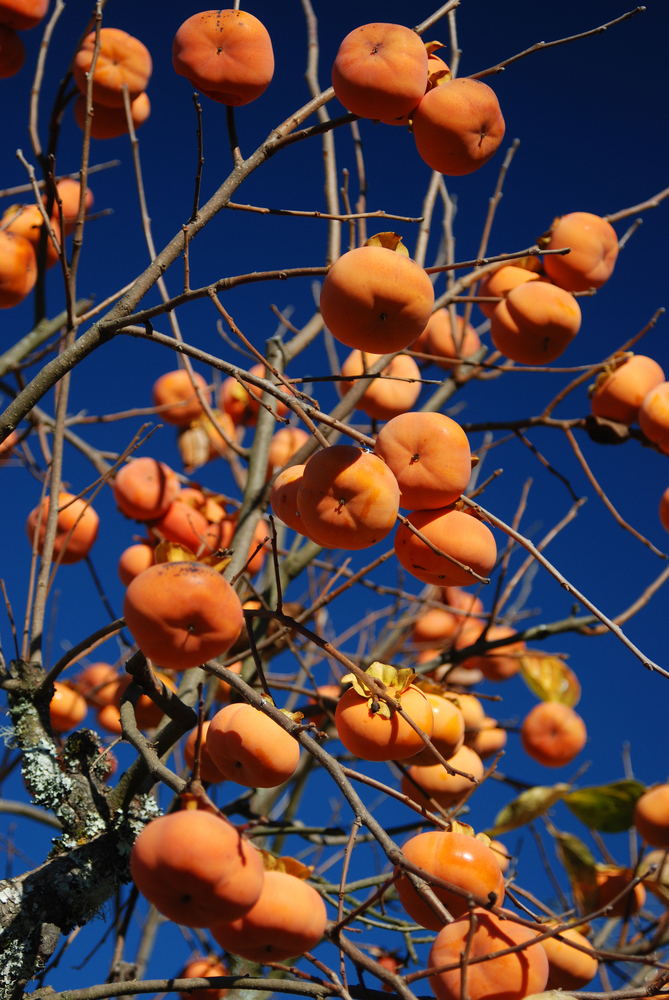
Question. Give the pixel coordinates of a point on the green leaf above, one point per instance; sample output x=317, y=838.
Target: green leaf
x=581, y=868
x=609, y=808
x=527, y=807
x=550, y=678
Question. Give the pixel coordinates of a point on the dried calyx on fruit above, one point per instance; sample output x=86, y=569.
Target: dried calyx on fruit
x=395, y=682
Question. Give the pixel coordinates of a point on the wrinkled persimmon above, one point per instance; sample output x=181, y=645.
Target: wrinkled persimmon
x=144, y=489
x=535, y=323
x=77, y=517
x=121, y=60
x=458, y=126
x=594, y=250
x=457, y=534
x=619, y=395
x=384, y=398
x=250, y=748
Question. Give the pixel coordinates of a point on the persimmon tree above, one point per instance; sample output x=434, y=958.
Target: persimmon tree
x=339, y=646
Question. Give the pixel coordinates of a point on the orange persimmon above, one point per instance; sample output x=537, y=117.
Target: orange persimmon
x=553, y=734
x=22, y=15
x=204, y=968
x=594, y=250
x=12, y=52
x=457, y=534
x=448, y=731
x=619, y=394
x=67, y=708
x=121, y=60
x=420, y=783
x=501, y=282
x=208, y=770
x=651, y=816
x=285, y=443
x=384, y=398
x=283, y=497
x=437, y=339
x=27, y=221
x=569, y=968
x=110, y=123
x=654, y=416
x=535, y=323
x=134, y=560
x=250, y=748
x=145, y=488
x=174, y=392
x=77, y=517
x=458, y=126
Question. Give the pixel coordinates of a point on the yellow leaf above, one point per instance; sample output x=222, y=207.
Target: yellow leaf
x=391, y=241
x=527, y=807
x=288, y=866
x=550, y=678
x=173, y=552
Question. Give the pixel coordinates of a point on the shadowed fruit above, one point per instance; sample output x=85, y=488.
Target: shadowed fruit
x=436, y=625
x=69, y=192
x=458, y=126
x=222, y=692
x=435, y=782
x=208, y=770
x=509, y=977
x=371, y=736
x=569, y=968
x=651, y=816
x=110, y=123
x=182, y=614
x=250, y=748
x=536, y=323
x=502, y=855
x=610, y=884
x=377, y=300
x=97, y=684
x=285, y=443
x=134, y=560
x=121, y=60
x=619, y=395
x=183, y=524
x=28, y=223
x=76, y=517
x=175, y=392
x=22, y=15
x=383, y=399
x=283, y=497
x=457, y=534
x=462, y=599
x=489, y=740
x=227, y=54
x=428, y=453
x=654, y=416
x=437, y=339
x=196, y=868
x=553, y=734
x=144, y=489
x=493, y=666
x=244, y=406
x=202, y=968
x=501, y=282
x=12, y=52
x=594, y=250
x=67, y=708
x=448, y=731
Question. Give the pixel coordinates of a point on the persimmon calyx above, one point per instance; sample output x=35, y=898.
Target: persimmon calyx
x=293, y=716
x=287, y=865
x=546, y=237
x=457, y=827
x=173, y=552
x=618, y=359
x=391, y=241
x=396, y=683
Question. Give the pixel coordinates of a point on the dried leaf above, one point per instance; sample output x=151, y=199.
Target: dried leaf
x=527, y=807
x=431, y=47
x=550, y=678
x=609, y=808
x=581, y=868
x=289, y=866
x=658, y=880
x=391, y=241
x=217, y=562
x=293, y=716
x=173, y=552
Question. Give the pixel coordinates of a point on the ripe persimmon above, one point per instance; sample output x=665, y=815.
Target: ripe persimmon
x=182, y=614
x=651, y=816
x=569, y=968
x=502, y=855
x=244, y=405
x=383, y=398
x=448, y=731
x=489, y=740
x=110, y=123
x=227, y=54
x=594, y=250
x=222, y=691
x=494, y=665
x=204, y=968
x=348, y=498
x=535, y=323
x=145, y=488
x=328, y=693
x=654, y=416
x=472, y=711
x=610, y=883
x=121, y=60
x=7, y=446
x=553, y=734
x=619, y=394
x=22, y=15
x=285, y=443
x=380, y=71
x=12, y=52
x=69, y=192
x=27, y=221
x=76, y=515
x=134, y=560
x=376, y=299
x=428, y=453
x=67, y=708
x=97, y=684
x=196, y=868
x=436, y=625
x=456, y=858
x=208, y=770
x=458, y=126
x=283, y=497
x=147, y=713
x=420, y=783
x=457, y=534
x=437, y=339
x=175, y=391
x=455, y=597
x=250, y=748
x=508, y=977
x=500, y=283
x=18, y=268
x=184, y=525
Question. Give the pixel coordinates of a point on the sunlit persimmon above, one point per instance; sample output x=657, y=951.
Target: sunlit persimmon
x=182, y=614
x=619, y=395
x=437, y=339
x=489, y=740
x=384, y=398
x=509, y=977
x=285, y=443
x=134, y=560
x=77, y=517
x=436, y=625
x=553, y=734
x=110, y=123
x=458, y=126
x=27, y=221
x=535, y=323
x=250, y=748
x=420, y=783
x=455, y=597
x=594, y=250
x=109, y=718
x=380, y=71
x=329, y=694
x=463, y=861
x=613, y=881
x=569, y=968
x=457, y=534
x=472, y=710
x=145, y=488
x=224, y=532
x=227, y=54
x=67, y=708
x=654, y=416
x=18, y=268
x=448, y=731
x=218, y=446
x=22, y=15
x=348, y=498
x=288, y=919
x=651, y=816
x=283, y=497
x=428, y=453
x=97, y=684
x=223, y=689
x=371, y=736
x=208, y=770
x=502, y=855
x=121, y=60
x=244, y=405
x=196, y=868
x=500, y=282
x=174, y=393
x=204, y=968
x=184, y=525
x=12, y=52
x=493, y=665
x=69, y=192
x=7, y=446
x=375, y=299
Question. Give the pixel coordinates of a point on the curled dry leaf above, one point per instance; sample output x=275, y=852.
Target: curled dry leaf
x=287, y=865
x=527, y=807
x=391, y=241
x=550, y=678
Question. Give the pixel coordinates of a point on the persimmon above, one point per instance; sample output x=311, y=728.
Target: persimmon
x=67, y=708
x=508, y=977
x=348, y=498
x=448, y=731
x=328, y=693
x=594, y=250
x=121, y=60
x=244, y=405
x=420, y=783
x=7, y=446
x=436, y=625
x=535, y=323
x=97, y=684
x=502, y=855
x=182, y=614
x=208, y=770
x=384, y=398
x=27, y=221
x=134, y=560
x=218, y=446
x=651, y=816
x=227, y=54
x=76, y=517
x=196, y=868
x=250, y=748
x=223, y=689
x=373, y=733
x=457, y=534
x=12, y=52
x=110, y=123
x=569, y=968
x=283, y=497
x=380, y=71
x=175, y=392
x=619, y=394
x=109, y=718
x=428, y=453
x=147, y=713
x=145, y=488
x=610, y=883
x=472, y=711
x=18, y=268
x=184, y=525
x=500, y=283
x=69, y=192
x=288, y=919
x=553, y=734
x=455, y=597
x=22, y=15
x=654, y=416
x=457, y=858
x=490, y=738
x=458, y=126
x=494, y=665
x=285, y=443
x=437, y=339
x=204, y=968
x=376, y=299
